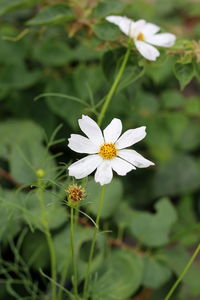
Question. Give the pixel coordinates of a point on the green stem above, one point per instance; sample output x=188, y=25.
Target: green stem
x=113, y=87
x=85, y=290
x=75, y=281
x=183, y=273
x=49, y=239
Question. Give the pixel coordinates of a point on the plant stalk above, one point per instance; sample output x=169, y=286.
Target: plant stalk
x=49, y=239
x=113, y=87
x=85, y=290
x=75, y=278
x=183, y=273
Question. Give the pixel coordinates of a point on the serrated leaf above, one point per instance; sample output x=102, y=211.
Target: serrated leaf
x=184, y=73
x=154, y=229
x=54, y=14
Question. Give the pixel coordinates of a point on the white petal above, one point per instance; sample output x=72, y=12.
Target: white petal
x=135, y=158
x=130, y=137
x=146, y=50
x=150, y=29
x=125, y=24
x=85, y=166
x=138, y=28
x=162, y=39
x=113, y=131
x=81, y=144
x=120, y=166
x=104, y=173
x=91, y=129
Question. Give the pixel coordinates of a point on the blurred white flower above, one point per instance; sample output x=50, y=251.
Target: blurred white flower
x=144, y=35
x=107, y=150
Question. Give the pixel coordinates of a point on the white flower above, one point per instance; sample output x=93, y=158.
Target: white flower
x=106, y=150
x=144, y=35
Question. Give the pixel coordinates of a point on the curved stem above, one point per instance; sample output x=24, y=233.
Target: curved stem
x=49, y=239
x=85, y=290
x=113, y=87
x=75, y=281
x=183, y=273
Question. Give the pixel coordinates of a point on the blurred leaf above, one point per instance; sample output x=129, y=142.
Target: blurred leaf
x=107, y=7
x=192, y=107
x=106, y=31
x=177, y=176
x=67, y=109
x=14, y=132
x=184, y=73
x=9, y=216
x=54, y=14
x=119, y=277
x=56, y=213
x=82, y=237
x=35, y=251
x=113, y=196
x=6, y=6
x=18, y=77
x=123, y=215
x=155, y=273
x=154, y=229
x=172, y=99
x=52, y=53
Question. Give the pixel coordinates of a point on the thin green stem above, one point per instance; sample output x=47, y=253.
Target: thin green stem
x=113, y=87
x=48, y=238
x=182, y=273
x=85, y=290
x=75, y=277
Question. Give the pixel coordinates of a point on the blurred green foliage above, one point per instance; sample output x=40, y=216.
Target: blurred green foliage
x=57, y=61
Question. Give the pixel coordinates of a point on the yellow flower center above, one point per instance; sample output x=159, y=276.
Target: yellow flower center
x=108, y=151
x=140, y=37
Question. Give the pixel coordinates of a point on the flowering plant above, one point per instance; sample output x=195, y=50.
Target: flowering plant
x=64, y=234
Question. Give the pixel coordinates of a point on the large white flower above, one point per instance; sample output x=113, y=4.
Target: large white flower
x=144, y=35
x=106, y=150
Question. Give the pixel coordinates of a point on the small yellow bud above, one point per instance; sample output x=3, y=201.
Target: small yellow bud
x=40, y=173
x=75, y=193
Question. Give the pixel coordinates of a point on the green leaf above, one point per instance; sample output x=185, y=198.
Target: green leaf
x=27, y=132
x=82, y=240
x=9, y=216
x=54, y=14
x=119, y=277
x=184, y=73
x=6, y=6
x=108, y=7
x=18, y=77
x=106, y=31
x=154, y=229
x=67, y=109
x=35, y=251
x=52, y=53
x=172, y=178
x=113, y=196
x=172, y=99
x=155, y=273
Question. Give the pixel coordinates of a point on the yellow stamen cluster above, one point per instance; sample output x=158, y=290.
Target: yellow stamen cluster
x=140, y=37
x=75, y=193
x=108, y=151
